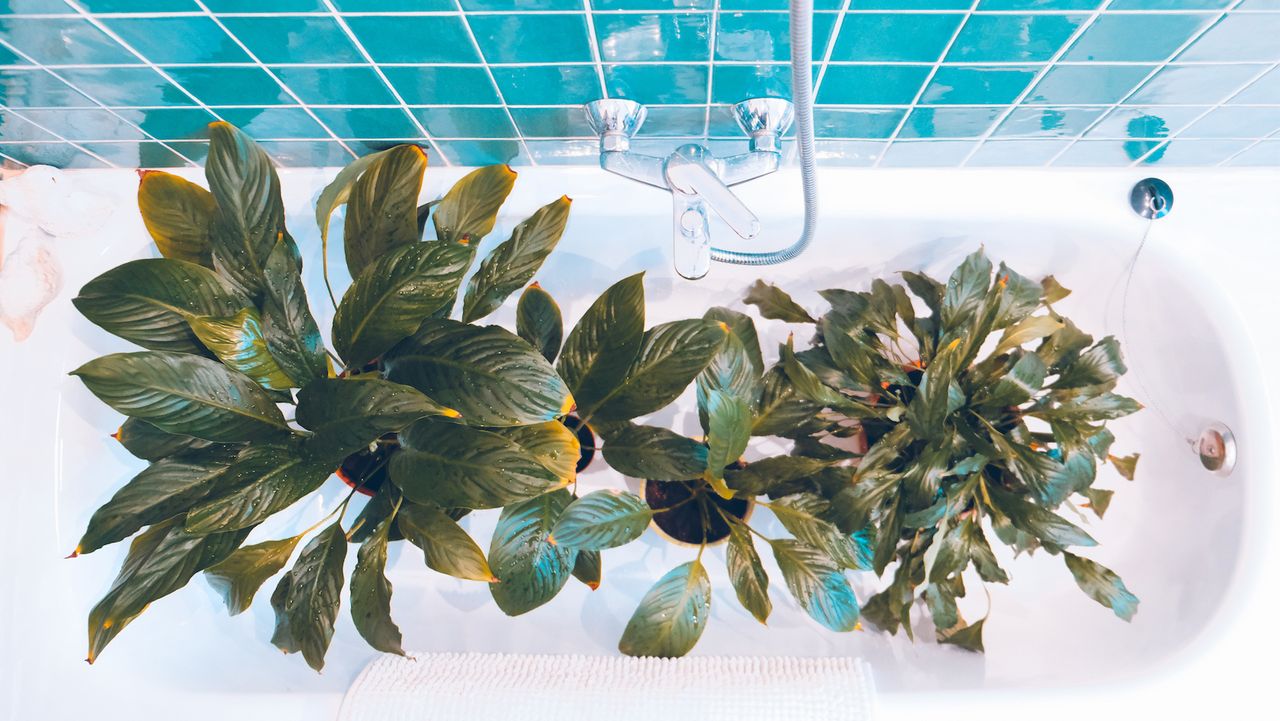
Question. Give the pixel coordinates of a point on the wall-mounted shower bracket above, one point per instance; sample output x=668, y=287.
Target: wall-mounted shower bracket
x=698, y=180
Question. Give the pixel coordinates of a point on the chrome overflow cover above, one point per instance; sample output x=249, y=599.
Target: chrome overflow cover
x=1152, y=198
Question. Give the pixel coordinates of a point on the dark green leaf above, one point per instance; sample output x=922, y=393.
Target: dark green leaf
x=185, y=394
x=371, y=594
x=587, y=568
x=969, y=638
x=394, y=295
x=1105, y=407
x=538, y=322
x=250, y=217
x=307, y=598
x=966, y=290
x=336, y=193
x=926, y=289
x=1039, y=522
x=728, y=432
x=446, y=547
x=780, y=409
x=750, y=583
x=799, y=514
x=263, y=480
x=775, y=304
x=530, y=569
x=745, y=329
x=1019, y=297
x=382, y=207
x=345, y=416
x=515, y=261
x=468, y=211
x=1102, y=585
x=149, y=443
x=1099, y=500
x=804, y=382
x=760, y=476
x=238, y=341
x=671, y=356
x=671, y=616
x=551, y=443
x=963, y=543
x=604, y=343
x=1100, y=365
x=238, y=577
x=1016, y=387
x=291, y=331
x=1126, y=466
x=1026, y=331
x=817, y=583
x=729, y=372
x=648, y=452
x=457, y=466
x=148, y=302
x=602, y=519
x=178, y=215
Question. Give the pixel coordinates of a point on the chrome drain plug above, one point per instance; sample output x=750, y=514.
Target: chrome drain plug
x=1216, y=447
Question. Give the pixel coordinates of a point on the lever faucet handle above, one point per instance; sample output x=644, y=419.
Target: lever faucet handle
x=689, y=172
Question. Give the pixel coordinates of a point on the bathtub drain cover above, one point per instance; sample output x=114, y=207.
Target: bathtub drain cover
x=1216, y=447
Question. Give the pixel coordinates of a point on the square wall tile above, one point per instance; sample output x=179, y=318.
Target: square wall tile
x=84, y=124
x=856, y=122
x=521, y=5
x=390, y=6
x=563, y=152
x=907, y=37
x=1266, y=153
x=1136, y=38
x=848, y=153
x=307, y=153
x=1262, y=91
x=653, y=4
x=1195, y=84
x=1013, y=38
x=157, y=38
x=950, y=122
x=466, y=122
x=998, y=5
x=274, y=123
x=763, y=36
x=871, y=84
x=368, y=122
x=483, y=152
x=231, y=85
x=265, y=6
x=42, y=7
x=552, y=122
x=171, y=123
x=1240, y=38
x=532, y=38
x=735, y=83
x=1235, y=122
x=22, y=88
x=670, y=37
x=335, y=86
x=1016, y=153
x=138, y=155
x=15, y=129
x=548, y=84
x=139, y=6
x=969, y=85
x=277, y=40
x=662, y=121
x=55, y=41
x=1143, y=122
x=408, y=39
x=1195, y=153
x=1088, y=84
x=125, y=86
x=926, y=154
x=427, y=85
x=1104, y=153
x=1171, y=4
x=658, y=84
x=1047, y=122
x=59, y=155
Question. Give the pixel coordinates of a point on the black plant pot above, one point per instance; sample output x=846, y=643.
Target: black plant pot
x=586, y=440
x=684, y=522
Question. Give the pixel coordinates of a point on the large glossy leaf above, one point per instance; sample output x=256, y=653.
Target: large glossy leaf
x=671, y=356
x=963, y=543
x=468, y=211
x=238, y=341
x=1102, y=585
x=336, y=193
x=446, y=547
x=489, y=375
x=457, y=466
x=602, y=519
x=551, y=443
x=162, y=490
x=393, y=296
x=728, y=431
x=263, y=480
x=649, y=452
x=604, y=343
x=148, y=302
x=730, y=372
x=538, y=322
x=966, y=290
x=185, y=394
x=744, y=328
x=345, y=415
x=1027, y=330
x=775, y=304
x=588, y=568
x=149, y=443
x=250, y=217
x=178, y=215
x=515, y=261
x=780, y=409
x=969, y=637
x=818, y=584
x=800, y=514
x=671, y=616
x=238, y=577
x=530, y=569
x=307, y=598
x=1039, y=522
x=291, y=331
x=371, y=594
x=746, y=573
x=382, y=208
x=160, y=561
x=760, y=476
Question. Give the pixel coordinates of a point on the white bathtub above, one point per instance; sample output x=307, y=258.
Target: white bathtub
x=1198, y=549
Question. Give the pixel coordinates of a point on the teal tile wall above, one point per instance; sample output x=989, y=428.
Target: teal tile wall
x=900, y=83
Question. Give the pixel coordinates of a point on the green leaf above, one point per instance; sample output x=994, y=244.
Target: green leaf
x=530, y=569
x=602, y=519
x=538, y=322
x=969, y=638
x=149, y=443
x=264, y=480
x=963, y=543
x=445, y=545
x=1105, y=407
x=371, y=594
x=602, y=346
x=671, y=616
x=291, y=331
x=250, y=217
x=382, y=207
x=552, y=444
x=728, y=432
x=160, y=561
x=238, y=577
x=799, y=514
x=148, y=302
x=1053, y=290
x=671, y=356
x=750, y=582
x=730, y=372
x=780, y=409
x=1099, y=500
x=966, y=290
x=1102, y=585
x=1126, y=466
x=307, y=598
x=1026, y=331
x=649, y=452
x=587, y=568
x=926, y=289
x=760, y=476
x=775, y=304
x=185, y=394
x=817, y=583
x=336, y=193
x=745, y=329
x=1019, y=297
x=1100, y=365
x=805, y=384
x=1038, y=522
x=515, y=261
x=457, y=466
x=161, y=491
x=393, y=296
x=489, y=375
x=1016, y=387
x=468, y=211
x=178, y=215
x=346, y=415
x=238, y=342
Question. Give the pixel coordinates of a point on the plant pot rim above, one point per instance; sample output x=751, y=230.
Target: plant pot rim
x=653, y=524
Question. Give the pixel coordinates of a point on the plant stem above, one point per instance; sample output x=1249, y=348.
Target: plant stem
x=693, y=497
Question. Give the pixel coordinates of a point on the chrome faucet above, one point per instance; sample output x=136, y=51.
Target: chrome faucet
x=697, y=179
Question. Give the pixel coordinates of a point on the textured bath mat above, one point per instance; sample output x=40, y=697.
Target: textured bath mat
x=499, y=687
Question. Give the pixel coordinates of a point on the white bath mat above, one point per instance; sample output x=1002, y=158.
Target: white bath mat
x=501, y=687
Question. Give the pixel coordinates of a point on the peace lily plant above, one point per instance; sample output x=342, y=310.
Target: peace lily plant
x=242, y=411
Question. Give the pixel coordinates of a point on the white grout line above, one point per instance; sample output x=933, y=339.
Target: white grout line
x=12, y=159
x=74, y=143
x=641, y=11
x=915, y=101
x=595, y=48
x=1040, y=74
x=364, y=53
x=1222, y=13
x=475, y=44
x=713, y=46
x=825, y=61
x=1256, y=142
